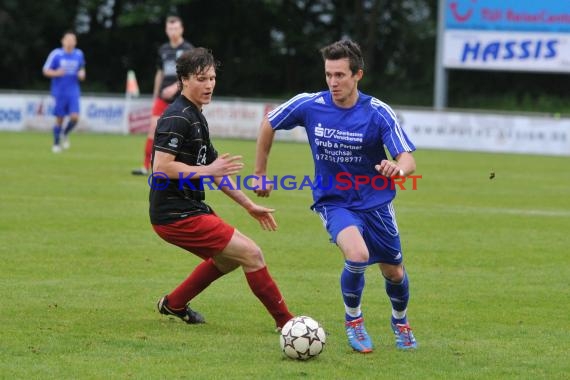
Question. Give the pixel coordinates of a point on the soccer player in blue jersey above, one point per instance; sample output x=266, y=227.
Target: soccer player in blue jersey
x=348, y=132
x=66, y=67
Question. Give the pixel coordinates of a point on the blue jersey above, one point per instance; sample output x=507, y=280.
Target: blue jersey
x=345, y=143
x=72, y=62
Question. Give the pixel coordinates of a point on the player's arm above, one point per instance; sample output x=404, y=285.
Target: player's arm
x=406, y=162
x=170, y=91
x=81, y=74
x=262, y=214
x=404, y=165
x=399, y=146
x=53, y=73
x=224, y=165
x=157, y=81
x=264, y=143
x=52, y=68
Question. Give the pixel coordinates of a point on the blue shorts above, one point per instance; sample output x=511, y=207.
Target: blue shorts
x=66, y=105
x=378, y=227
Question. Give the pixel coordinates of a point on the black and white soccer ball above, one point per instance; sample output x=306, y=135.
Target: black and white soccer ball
x=302, y=338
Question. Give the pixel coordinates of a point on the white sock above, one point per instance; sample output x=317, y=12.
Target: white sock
x=399, y=314
x=353, y=312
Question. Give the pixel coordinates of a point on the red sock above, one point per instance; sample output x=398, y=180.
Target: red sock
x=202, y=276
x=266, y=290
x=148, y=152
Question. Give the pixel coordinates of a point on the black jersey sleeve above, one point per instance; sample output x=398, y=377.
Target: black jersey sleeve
x=171, y=132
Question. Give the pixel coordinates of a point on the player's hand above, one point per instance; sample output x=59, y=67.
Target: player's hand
x=225, y=165
x=59, y=72
x=169, y=91
x=261, y=189
x=388, y=168
x=264, y=216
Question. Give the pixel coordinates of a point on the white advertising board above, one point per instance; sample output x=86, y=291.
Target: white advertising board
x=472, y=131
x=97, y=114
x=519, y=35
x=242, y=119
x=519, y=51
x=487, y=132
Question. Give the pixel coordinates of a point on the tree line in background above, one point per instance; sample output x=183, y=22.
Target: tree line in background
x=268, y=48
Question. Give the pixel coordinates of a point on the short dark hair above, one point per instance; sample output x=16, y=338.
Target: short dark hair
x=171, y=19
x=194, y=61
x=345, y=49
x=69, y=31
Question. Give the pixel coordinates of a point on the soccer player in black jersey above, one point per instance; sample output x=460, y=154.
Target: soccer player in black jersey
x=183, y=153
x=165, y=81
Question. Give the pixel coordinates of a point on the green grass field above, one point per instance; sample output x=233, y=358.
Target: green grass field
x=82, y=270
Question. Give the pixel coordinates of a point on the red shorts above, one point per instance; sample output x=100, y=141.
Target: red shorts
x=159, y=106
x=203, y=235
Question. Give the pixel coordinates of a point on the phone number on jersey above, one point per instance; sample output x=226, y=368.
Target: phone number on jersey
x=337, y=159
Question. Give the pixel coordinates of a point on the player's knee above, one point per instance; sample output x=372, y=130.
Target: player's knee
x=225, y=265
x=393, y=273
x=357, y=255
x=397, y=278
x=254, y=257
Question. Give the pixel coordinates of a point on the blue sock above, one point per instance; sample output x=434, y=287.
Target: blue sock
x=70, y=125
x=399, y=296
x=351, y=285
x=56, y=134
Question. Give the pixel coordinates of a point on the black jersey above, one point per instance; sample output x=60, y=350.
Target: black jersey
x=182, y=131
x=166, y=61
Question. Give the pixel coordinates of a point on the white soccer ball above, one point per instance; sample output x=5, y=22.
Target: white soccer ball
x=302, y=338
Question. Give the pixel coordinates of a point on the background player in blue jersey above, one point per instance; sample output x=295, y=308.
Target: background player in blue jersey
x=348, y=132
x=165, y=82
x=66, y=67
